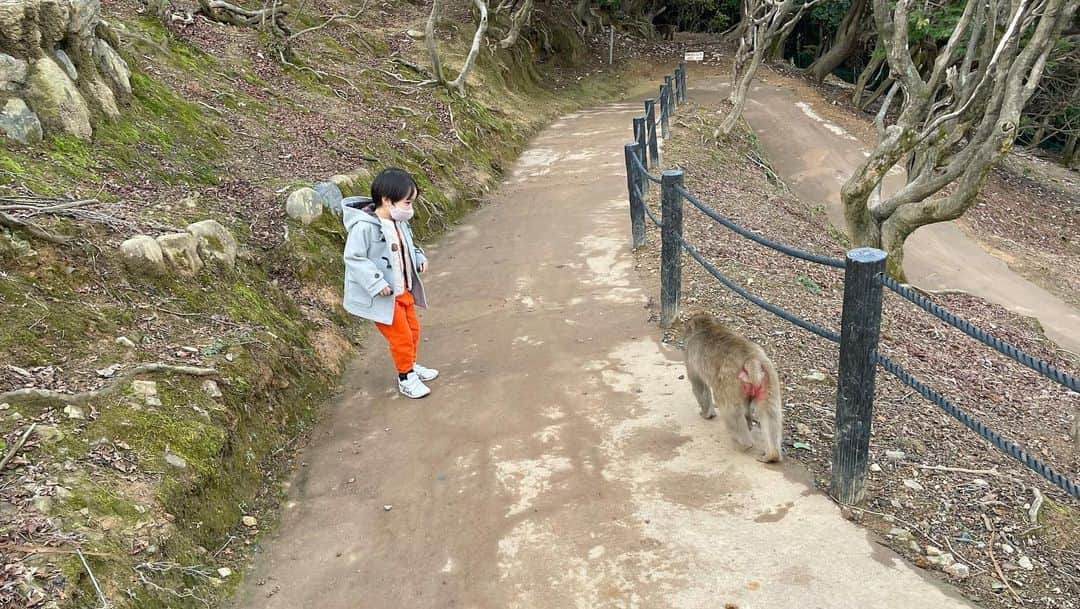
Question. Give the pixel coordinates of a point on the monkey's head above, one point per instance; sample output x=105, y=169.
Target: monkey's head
x=699, y=322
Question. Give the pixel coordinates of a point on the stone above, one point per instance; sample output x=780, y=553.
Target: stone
x=74, y=412
x=874, y=467
x=305, y=205
x=345, y=185
x=64, y=61
x=1026, y=564
x=85, y=15
x=958, y=570
x=914, y=546
x=942, y=560
x=12, y=72
x=901, y=534
x=99, y=97
x=416, y=34
x=210, y=387
x=63, y=493
x=1006, y=548
x=113, y=68
x=895, y=455
x=249, y=521
x=56, y=100
x=146, y=391
x=105, y=31
x=332, y=196
x=803, y=430
x=815, y=376
x=175, y=460
x=42, y=504
x=142, y=254
x=124, y=341
x=49, y=433
x=216, y=243
x=224, y=572
x=181, y=251
x=932, y=551
x=19, y=123
x=913, y=485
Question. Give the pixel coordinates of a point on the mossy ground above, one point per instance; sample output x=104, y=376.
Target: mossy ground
x=217, y=129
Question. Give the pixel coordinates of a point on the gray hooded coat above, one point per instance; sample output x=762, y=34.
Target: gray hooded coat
x=367, y=262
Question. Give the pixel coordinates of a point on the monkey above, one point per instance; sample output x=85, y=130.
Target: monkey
x=667, y=30
x=731, y=372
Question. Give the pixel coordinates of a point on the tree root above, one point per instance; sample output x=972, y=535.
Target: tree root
x=49, y=395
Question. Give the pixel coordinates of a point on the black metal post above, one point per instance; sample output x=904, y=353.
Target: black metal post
x=665, y=111
x=637, y=201
x=668, y=80
x=859, y=327
x=670, y=248
x=650, y=125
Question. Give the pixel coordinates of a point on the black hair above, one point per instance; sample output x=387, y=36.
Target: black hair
x=394, y=184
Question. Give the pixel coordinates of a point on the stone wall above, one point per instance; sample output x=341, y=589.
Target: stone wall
x=59, y=70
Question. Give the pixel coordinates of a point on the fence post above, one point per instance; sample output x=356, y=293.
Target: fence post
x=670, y=248
x=650, y=125
x=637, y=202
x=640, y=135
x=665, y=111
x=859, y=326
x=682, y=82
x=670, y=96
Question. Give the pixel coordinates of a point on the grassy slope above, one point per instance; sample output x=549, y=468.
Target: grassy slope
x=218, y=129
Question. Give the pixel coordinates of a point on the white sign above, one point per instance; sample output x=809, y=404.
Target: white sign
x=695, y=56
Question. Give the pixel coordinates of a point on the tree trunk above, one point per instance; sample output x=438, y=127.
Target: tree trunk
x=844, y=43
x=867, y=76
x=1069, y=157
x=481, y=28
x=776, y=48
x=432, y=44
x=740, y=89
x=1040, y=131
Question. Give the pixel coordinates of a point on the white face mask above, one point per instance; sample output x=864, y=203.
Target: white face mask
x=400, y=215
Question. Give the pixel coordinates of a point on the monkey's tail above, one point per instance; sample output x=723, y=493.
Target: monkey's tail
x=755, y=371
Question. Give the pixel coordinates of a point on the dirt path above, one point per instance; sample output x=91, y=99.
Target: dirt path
x=815, y=156
x=560, y=461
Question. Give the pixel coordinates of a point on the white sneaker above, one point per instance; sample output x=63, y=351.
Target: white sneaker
x=413, y=387
x=425, y=374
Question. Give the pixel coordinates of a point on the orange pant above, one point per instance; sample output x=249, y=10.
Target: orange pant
x=403, y=333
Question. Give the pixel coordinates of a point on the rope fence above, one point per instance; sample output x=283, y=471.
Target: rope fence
x=864, y=280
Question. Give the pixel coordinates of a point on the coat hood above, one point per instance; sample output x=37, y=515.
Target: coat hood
x=358, y=209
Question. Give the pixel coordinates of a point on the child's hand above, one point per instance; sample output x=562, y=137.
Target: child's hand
x=386, y=292
x=422, y=267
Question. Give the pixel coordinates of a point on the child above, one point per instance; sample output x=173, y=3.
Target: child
x=382, y=271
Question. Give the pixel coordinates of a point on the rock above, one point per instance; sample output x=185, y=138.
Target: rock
x=803, y=430
x=914, y=546
x=331, y=195
x=49, y=433
x=913, y=485
x=942, y=560
x=980, y=483
x=19, y=123
x=224, y=572
x=216, y=243
x=146, y=391
x=387, y=508
x=345, y=185
x=63, y=493
x=181, y=250
x=142, y=254
x=113, y=68
x=895, y=455
x=932, y=551
x=64, y=61
x=901, y=534
x=210, y=387
x=12, y=72
x=874, y=467
x=815, y=376
x=249, y=521
x=104, y=30
x=416, y=34
x=5, y=406
x=305, y=205
x=958, y=570
x=1026, y=564
x=175, y=460
x=99, y=97
x=56, y=100
x=85, y=15
x=42, y=504
x=124, y=341
x=74, y=412
x=1006, y=548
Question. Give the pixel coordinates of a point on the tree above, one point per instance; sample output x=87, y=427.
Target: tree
x=763, y=23
x=438, y=77
x=844, y=42
x=956, y=122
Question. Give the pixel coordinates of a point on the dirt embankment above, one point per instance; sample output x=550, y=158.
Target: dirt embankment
x=165, y=484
